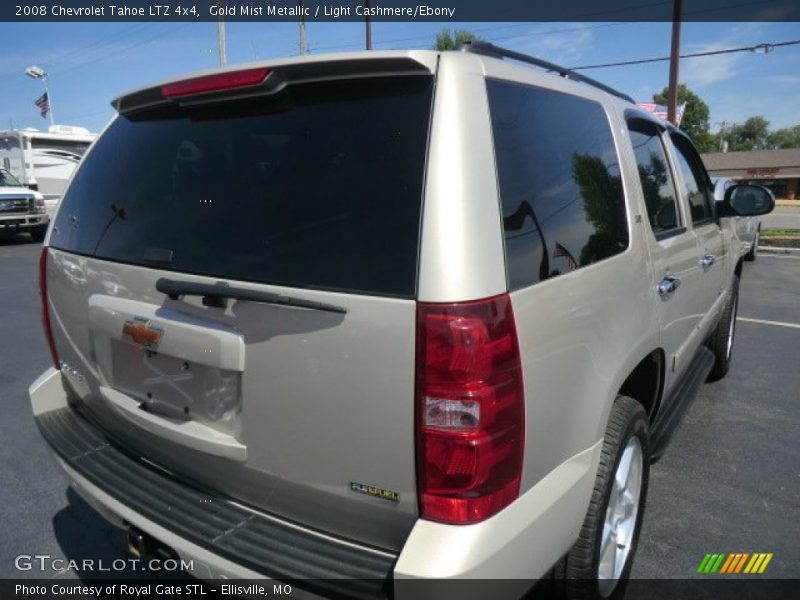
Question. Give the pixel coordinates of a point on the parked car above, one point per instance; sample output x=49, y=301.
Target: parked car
x=21, y=209
x=748, y=229
x=362, y=332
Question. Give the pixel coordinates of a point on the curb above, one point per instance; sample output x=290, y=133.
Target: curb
x=779, y=250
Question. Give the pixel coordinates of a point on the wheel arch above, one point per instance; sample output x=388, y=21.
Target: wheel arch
x=645, y=383
x=738, y=268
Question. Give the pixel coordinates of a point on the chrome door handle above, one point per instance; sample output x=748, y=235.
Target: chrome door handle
x=707, y=261
x=667, y=287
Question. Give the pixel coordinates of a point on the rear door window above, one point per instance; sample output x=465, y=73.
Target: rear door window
x=697, y=186
x=654, y=173
x=319, y=186
x=559, y=180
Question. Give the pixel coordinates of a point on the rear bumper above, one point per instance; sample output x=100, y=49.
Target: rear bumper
x=225, y=539
x=522, y=542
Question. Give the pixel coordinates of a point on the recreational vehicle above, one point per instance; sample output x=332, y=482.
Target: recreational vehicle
x=44, y=161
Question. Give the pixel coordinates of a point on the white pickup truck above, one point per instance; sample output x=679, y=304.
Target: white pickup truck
x=21, y=209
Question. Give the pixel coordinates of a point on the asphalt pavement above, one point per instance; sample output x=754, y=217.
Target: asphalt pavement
x=730, y=478
x=783, y=217
x=729, y=481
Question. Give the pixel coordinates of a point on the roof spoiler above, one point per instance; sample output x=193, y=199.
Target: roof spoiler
x=235, y=84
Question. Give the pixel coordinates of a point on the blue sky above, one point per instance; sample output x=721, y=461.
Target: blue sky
x=91, y=63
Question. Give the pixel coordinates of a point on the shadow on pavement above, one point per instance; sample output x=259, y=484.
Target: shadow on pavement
x=97, y=547
x=16, y=239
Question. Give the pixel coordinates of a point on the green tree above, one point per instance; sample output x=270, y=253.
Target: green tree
x=706, y=141
x=750, y=135
x=601, y=191
x=447, y=40
x=695, y=117
x=788, y=137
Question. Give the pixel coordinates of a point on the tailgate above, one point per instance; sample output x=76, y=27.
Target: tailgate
x=312, y=194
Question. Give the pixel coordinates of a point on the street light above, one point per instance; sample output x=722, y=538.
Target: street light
x=35, y=72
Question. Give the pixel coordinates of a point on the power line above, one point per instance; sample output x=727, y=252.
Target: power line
x=383, y=43
x=136, y=44
x=97, y=45
x=596, y=14
x=765, y=48
x=110, y=40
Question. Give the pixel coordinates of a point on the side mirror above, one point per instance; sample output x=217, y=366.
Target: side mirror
x=746, y=201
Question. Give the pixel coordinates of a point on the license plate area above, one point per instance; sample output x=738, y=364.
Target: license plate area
x=176, y=388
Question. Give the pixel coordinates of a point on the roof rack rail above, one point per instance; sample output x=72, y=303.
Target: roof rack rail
x=487, y=49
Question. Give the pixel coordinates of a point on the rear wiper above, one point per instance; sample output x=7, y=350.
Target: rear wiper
x=217, y=294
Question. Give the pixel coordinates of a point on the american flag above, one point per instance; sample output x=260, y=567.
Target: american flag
x=562, y=252
x=44, y=104
x=660, y=110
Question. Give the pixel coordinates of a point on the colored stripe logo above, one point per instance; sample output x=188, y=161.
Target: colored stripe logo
x=734, y=563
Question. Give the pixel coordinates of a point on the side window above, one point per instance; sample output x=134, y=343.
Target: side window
x=696, y=182
x=654, y=173
x=559, y=182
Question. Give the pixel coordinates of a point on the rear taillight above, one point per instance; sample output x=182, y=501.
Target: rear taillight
x=215, y=83
x=470, y=409
x=48, y=330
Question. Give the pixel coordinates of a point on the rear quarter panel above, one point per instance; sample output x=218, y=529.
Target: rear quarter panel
x=582, y=333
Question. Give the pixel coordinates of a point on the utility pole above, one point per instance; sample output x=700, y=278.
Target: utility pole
x=223, y=59
x=672, y=103
x=368, y=25
x=722, y=144
x=302, y=42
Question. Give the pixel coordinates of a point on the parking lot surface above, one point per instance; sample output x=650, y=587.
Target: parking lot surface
x=783, y=217
x=729, y=482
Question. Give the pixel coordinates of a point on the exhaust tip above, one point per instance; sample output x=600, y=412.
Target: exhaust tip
x=141, y=545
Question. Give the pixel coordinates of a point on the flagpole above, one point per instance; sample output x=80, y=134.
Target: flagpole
x=35, y=72
x=45, y=80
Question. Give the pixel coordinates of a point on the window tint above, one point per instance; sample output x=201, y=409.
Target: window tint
x=657, y=185
x=559, y=179
x=695, y=179
x=319, y=186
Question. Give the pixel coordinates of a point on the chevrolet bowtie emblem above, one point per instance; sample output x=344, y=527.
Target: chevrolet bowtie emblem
x=139, y=331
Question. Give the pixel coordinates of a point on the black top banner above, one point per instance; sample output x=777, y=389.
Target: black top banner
x=393, y=10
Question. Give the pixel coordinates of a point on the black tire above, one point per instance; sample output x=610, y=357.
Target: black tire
x=38, y=234
x=718, y=343
x=580, y=566
x=753, y=254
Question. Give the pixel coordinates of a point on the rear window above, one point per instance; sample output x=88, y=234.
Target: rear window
x=559, y=180
x=319, y=186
